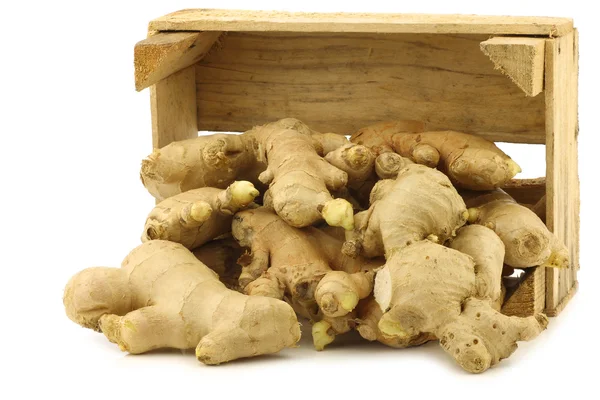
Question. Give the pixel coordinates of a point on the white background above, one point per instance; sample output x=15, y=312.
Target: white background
x=73, y=133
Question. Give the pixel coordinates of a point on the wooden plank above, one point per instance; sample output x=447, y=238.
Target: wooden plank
x=562, y=190
x=173, y=108
x=529, y=297
x=526, y=191
x=520, y=58
x=575, y=171
x=563, y=303
x=163, y=54
x=242, y=20
x=539, y=208
x=341, y=83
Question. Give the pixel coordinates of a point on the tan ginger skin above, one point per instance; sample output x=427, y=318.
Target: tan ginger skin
x=221, y=256
x=163, y=297
x=423, y=284
x=197, y=216
x=429, y=288
x=420, y=203
x=369, y=314
x=470, y=161
x=527, y=239
x=364, y=168
x=299, y=179
x=487, y=251
x=304, y=264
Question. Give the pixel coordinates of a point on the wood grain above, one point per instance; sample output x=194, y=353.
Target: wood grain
x=520, y=58
x=173, y=108
x=526, y=191
x=163, y=54
x=528, y=298
x=562, y=181
x=340, y=83
x=242, y=20
x=563, y=303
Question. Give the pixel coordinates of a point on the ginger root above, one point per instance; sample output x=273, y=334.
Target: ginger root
x=369, y=314
x=285, y=155
x=162, y=296
x=487, y=250
x=304, y=264
x=206, y=161
x=470, y=162
x=228, y=277
x=364, y=168
x=527, y=240
x=423, y=285
x=325, y=331
x=420, y=203
x=194, y=217
x=429, y=288
x=379, y=137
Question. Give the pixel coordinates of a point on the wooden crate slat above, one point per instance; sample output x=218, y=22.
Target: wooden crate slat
x=528, y=298
x=562, y=182
x=173, y=108
x=243, y=20
x=521, y=59
x=342, y=82
x=563, y=303
x=526, y=191
x=163, y=54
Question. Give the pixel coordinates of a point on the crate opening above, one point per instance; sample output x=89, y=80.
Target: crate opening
x=531, y=158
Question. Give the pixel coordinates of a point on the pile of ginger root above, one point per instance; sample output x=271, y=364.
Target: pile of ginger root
x=397, y=233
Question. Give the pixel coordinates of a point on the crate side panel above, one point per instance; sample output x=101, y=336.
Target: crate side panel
x=340, y=83
x=562, y=181
x=173, y=108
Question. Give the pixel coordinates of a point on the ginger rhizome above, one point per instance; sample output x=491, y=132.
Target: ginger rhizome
x=364, y=168
x=527, y=240
x=369, y=314
x=423, y=285
x=487, y=250
x=429, y=288
x=305, y=264
x=470, y=162
x=163, y=297
x=368, y=235
x=285, y=155
x=194, y=217
x=206, y=161
x=420, y=203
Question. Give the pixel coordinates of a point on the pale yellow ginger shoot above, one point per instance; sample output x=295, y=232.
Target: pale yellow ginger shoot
x=339, y=212
x=237, y=197
x=200, y=211
x=513, y=167
x=322, y=335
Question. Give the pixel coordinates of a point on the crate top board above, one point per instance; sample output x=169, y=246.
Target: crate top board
x=242, y=20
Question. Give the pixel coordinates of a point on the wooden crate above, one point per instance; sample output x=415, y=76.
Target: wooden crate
x=510, y=79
